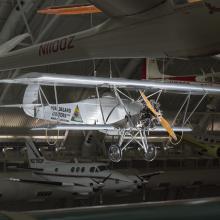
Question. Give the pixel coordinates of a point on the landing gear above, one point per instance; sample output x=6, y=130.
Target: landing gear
x=115, y=150
x=115, y=153
x=151, y=153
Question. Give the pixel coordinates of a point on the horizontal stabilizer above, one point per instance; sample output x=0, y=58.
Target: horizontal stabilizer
x=52, y=183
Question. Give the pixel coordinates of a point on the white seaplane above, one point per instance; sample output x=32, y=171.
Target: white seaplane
x=115, y=115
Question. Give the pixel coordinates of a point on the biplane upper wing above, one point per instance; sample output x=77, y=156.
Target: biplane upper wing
x=85, y=81
x=119, y=8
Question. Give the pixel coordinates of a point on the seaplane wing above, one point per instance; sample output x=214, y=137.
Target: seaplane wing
x=120, y=8
x=85, y=81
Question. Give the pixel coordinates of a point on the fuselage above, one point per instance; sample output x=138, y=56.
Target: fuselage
x=171, y=29
x=88, y=111
x=91, y=175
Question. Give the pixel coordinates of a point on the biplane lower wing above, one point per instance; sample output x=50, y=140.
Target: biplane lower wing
x=110, y=128
x=75, y=127
x=85, y=81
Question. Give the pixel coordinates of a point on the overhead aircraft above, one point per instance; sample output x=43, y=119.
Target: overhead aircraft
x=150, y=71
x=119, y=114
x=153, y=28
x=80, y=178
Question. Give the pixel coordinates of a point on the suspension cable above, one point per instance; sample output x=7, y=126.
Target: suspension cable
x=110, y=68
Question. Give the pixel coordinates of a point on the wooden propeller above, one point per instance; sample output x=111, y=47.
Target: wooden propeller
x=70, y=10
x=160, y=118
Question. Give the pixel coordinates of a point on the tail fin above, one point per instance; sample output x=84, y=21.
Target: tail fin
x=35, y=157
x=151, y=70
x=30, y=97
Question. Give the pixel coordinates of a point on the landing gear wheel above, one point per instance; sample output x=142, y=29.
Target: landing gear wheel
x=151, y=153
x=115, y=153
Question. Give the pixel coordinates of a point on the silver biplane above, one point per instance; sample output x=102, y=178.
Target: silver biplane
x=118, y=114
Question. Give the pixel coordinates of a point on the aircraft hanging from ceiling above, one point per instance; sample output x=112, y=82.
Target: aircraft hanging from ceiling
x=119, y=114
x=150, y=71
x=80, y=178
x=153, y=28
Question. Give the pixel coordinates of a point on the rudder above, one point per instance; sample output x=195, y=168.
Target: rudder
x=30, y=97
x=151, y=70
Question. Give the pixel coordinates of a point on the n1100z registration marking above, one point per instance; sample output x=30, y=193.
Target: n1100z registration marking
x=56, y=46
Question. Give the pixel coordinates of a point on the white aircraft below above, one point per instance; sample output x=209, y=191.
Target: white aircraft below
x=80, y=178
x=152, y=28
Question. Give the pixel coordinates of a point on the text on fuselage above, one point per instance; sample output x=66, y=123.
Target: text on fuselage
x=56, y=46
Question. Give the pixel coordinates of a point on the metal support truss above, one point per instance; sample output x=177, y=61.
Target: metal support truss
x=25, y=20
